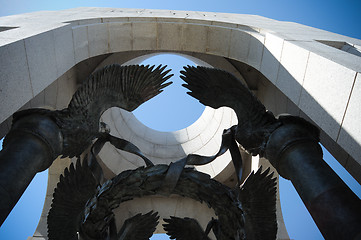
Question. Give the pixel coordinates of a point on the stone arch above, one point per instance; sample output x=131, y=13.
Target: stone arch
x=279, y=61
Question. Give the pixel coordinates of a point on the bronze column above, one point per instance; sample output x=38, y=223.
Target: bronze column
x=31, y=146
x=294, y=151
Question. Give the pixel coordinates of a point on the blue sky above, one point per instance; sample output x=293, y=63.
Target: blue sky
x=341, y=17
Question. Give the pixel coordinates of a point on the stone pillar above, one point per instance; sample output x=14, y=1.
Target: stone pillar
x=31, y=146
x=294, y=151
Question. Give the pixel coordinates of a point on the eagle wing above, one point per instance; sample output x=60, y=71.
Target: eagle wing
x=139, y=227
x=74, y=189
x=258, y=200
x=126, y=87
x=184, y=229
x=217, y=88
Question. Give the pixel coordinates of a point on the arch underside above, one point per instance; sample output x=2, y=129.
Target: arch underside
x=280, y=62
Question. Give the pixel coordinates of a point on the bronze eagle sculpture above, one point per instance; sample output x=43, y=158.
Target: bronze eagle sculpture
x=217, y=88
x=81, y=209
x=125, y=87
x=246, y=212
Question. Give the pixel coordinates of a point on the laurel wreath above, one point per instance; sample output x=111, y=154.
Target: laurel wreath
x=149, y=181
